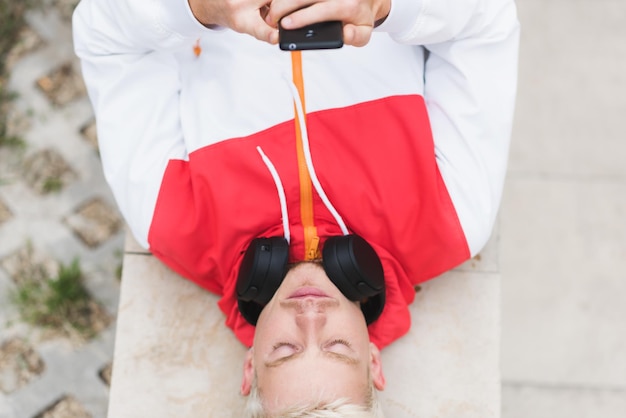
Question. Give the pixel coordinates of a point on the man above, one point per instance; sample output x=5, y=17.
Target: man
x=311, y=331
x=212, y=139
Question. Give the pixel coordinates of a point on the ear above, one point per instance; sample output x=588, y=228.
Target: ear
x=376, y=368
x=248, y=373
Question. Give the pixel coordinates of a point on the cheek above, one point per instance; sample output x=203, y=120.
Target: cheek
x=268, y=315
x=354, y=316
x=270, y=326
x=354, y=327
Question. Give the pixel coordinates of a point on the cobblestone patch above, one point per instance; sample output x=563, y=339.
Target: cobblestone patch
x=87, y=321
x=28, y=263
x=106, y=374
x=67, y=407
x=5, y=213
x=17, y=123
x=47, y=171
x=19, y=364
x=28, y=41
x=66, y=7
x=94, y=222
x=62, y=85
x=60, y=313
x=88, y=132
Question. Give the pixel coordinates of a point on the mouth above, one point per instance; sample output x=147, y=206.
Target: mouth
x=308, y=292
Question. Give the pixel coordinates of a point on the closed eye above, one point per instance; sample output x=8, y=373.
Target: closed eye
x=339, y=346
x=340, y=341
x=284, y=349
x=341, y=350
x=279, y=345
x=337, y=349
x=282, y=352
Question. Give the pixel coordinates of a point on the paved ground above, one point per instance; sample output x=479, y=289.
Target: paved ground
x=563, y=236
x=562, y=243
x=75, y=218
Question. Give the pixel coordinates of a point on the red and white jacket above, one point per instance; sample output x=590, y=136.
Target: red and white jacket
x=210, y=138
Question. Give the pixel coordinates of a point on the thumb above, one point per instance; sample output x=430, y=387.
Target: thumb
x=356, y=35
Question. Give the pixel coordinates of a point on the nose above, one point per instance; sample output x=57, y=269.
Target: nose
x=311, y=318
x=311, y=304
x=310, y=312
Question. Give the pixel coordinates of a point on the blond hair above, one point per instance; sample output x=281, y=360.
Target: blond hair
x=339, y=408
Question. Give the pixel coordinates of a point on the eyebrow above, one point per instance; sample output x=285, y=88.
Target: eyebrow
x=343, y=358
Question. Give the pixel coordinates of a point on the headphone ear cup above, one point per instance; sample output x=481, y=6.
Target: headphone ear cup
x=262, y=270
x=355, y=268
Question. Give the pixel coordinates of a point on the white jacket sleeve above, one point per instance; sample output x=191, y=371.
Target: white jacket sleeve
x=470, y=85
x=123, y=48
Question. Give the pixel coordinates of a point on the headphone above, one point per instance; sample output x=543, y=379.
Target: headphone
x=348, y=260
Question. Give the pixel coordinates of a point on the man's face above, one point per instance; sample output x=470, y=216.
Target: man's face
x=310, y=344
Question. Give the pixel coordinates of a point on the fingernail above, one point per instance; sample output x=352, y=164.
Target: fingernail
x=285, y=21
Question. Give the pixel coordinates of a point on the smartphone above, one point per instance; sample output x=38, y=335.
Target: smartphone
x=323, y=35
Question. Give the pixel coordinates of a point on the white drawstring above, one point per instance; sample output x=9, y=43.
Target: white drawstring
x=281, y=193
x=309, y=160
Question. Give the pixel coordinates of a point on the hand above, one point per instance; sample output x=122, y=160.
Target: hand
x=243, y=16
x=358, y=16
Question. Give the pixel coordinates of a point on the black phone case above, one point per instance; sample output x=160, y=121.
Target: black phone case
x=323, y=35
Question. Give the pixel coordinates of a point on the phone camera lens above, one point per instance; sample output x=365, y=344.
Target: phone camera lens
x=292, y=46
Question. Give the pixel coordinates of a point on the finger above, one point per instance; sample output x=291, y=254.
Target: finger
x=266, y=33
x=273, y=33
x=253, y=24
x=318, y=12
x=273, y=39
x=264, y=11
x=356, y=35
x=282, y=8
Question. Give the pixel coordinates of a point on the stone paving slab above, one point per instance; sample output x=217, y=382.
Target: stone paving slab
x=571, y=102
x=563, y=241
x=447, y=365
x=566, y=318
x=545, y=401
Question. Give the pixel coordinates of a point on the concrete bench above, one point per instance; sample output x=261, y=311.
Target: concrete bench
x=174, y=357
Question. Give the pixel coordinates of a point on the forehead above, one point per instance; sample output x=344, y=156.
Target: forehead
x=306, y=380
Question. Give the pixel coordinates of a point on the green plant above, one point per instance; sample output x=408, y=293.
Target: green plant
x=119, y=255
x=58, y=302
x=52, y=184
x=12, y=141
x=12, y=18
x=11, y=23
x=67, y=288
x=6, y=97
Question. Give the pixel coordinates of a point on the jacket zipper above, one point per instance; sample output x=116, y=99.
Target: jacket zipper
x=311, y=240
